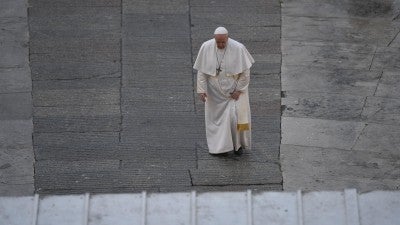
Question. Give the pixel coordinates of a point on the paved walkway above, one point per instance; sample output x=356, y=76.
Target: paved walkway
x=114, y=107
x=341, y=81
x=114, y=103
x=16, y=154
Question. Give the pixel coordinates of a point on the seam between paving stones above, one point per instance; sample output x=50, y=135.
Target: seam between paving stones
x=280, y=99
x=32, y=111
x=394, y=38
x=191, y=55
x=377, y=84
x=121, y=70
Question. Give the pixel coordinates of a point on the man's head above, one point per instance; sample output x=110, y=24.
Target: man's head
x=221, y=37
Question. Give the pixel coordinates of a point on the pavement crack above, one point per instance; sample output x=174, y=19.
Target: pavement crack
x=190, y=176
x=373, y=57
x=363, y=107
x=394, y=38
x=358, y=137
x=377, y=84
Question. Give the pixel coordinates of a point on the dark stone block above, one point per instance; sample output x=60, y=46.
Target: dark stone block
x=233, y=173
x=159, y=25
x=77, y=124
x=75, y=146
x=76, y=84
x=74, y=18
x=74, y=3
x=74, y=70
x=76, y=97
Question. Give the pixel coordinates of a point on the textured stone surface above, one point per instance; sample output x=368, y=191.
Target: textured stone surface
x=312, y=168
x=320, y=133
x=340, y=85
x=16, y=155
x=329, y=80
x=15, y=80
x=119, y=90
x=16, y=106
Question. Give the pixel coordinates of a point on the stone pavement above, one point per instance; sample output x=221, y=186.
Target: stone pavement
x=341, y=80
x=114, y=107
x=16, y=154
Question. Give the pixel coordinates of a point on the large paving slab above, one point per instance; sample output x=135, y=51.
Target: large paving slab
x=75, y=56
x=113, y=83
x=16, y=153
x=340, y=87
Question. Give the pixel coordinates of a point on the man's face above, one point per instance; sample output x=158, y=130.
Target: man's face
x=221, y=40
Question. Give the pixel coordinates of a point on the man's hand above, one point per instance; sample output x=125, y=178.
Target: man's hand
x=203, y=97
x=235, y=95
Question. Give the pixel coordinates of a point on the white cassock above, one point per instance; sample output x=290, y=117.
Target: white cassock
x=228, y=122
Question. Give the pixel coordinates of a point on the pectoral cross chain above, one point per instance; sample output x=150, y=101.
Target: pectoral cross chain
x=218, y=70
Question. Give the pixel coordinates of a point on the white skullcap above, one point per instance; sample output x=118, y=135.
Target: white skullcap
x=221, y=30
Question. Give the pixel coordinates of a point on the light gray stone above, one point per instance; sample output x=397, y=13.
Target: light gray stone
x=382, y=111
x=329, y=80
x=16, y=106
x=312, y=168
x=379, y=138
x=14, y=30
x=378, y=207
x=331, y=55
x=386, y=58
x=17, y=189
x=16, y=134
x=13, y=8
x=16, y=162
x=320, y=133
x=320, y=9
x=15, y=80
x=389, y=84
x=13, y=56
x=16, y=171
x=339, y=30
x=323, y=106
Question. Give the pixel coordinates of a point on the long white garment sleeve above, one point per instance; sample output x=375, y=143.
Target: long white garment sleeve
x=243, y=81
x=201, y=82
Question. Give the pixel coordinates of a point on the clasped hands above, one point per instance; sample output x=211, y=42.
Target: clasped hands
x=234, y=95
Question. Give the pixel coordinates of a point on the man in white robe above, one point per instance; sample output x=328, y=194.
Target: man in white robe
x=223, y=77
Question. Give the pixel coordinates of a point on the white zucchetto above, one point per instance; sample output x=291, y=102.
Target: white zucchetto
x=221, y=30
